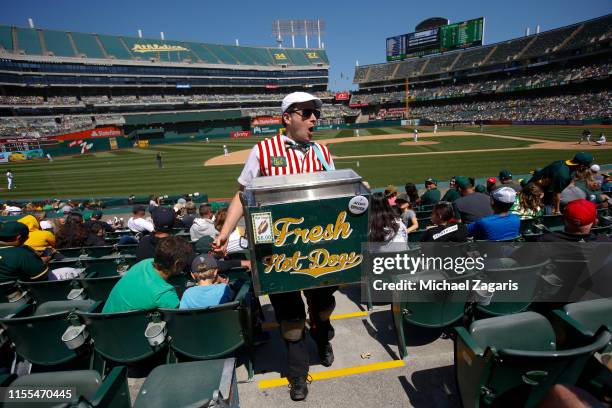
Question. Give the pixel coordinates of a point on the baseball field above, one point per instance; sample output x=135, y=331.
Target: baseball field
x=381, y=155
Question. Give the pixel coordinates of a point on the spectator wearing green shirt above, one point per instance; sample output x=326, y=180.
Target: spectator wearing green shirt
x=432, y=195
x=18, y=261
x=145, y=285
x=555, y=177
x=451, y=194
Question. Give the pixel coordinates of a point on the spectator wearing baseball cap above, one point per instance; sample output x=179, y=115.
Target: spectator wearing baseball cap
x=502, y=225
x=472, y=205
x=505, y=180
x=408, y=216
x=391, y=194
x=451, y=194
x=137, y=222
x=432, y=195
x=555, y=177
x=491, y=184
x=163, y=221
x=211, y=289
x=17, y=261
x=579, y=217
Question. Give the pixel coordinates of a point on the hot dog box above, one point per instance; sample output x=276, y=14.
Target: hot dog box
x=306, y=230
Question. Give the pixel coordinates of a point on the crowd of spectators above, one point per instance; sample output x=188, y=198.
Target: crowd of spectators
x=429, y=91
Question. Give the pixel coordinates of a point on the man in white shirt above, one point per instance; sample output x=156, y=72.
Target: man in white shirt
x=602, y=140
x=9, y=179
x=137, y=222
x=415, y=135
x=292, y=153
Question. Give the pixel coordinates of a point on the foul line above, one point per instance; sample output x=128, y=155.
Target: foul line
x=274, y=325
x=341, y=372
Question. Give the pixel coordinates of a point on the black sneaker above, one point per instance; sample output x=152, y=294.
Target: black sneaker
x=298, y=388
x=326, y=355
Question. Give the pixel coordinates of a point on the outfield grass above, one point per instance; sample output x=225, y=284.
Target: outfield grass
x=134, y=171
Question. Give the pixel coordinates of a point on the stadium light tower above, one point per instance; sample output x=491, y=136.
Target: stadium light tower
x=306, y=28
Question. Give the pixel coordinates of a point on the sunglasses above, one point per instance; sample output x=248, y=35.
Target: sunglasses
x=306, y=113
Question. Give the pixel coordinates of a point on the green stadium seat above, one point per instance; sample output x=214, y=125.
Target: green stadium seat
x=209, y=383
x=28, y=40
x=37, y=337
x=98, y=288
x=11, y=293
x=87, y=45
x=591, y=314
x=296, y=57
x=430, y=309
x=87, y=385
x=72, y=252
x=99, y=251
x=205, y=333
x=552, y=223
x=58, y=43
x=119, y=338
x=527, y=279
x=127, y=249
x=513, y=360
x=46, y=291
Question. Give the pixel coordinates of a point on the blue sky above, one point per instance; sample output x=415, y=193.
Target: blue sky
x=356, y=30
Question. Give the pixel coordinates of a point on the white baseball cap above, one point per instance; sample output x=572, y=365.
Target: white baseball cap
x=595, y=168
x=299, y=97
x=504, y=195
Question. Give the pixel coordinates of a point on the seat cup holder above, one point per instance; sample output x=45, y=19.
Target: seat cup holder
x=482, y=297
x=156, y=333
x=75, y=336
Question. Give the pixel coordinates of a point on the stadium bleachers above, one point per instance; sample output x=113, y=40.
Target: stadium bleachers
x=114, y=48
x=87, y=45
x=518, y=49
x=591, y=32
x=6, y=38
x=58, y=43
x=28, y=41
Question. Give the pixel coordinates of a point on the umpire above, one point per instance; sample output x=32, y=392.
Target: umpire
x=292, y=153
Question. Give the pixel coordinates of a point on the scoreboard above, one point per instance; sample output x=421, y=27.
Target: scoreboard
x=461, y=35
x=433, y=41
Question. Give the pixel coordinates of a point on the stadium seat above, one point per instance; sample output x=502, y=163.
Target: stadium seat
x=98, y=288
x=87, y=385
x=73, y=252
x=45, y=291
x=127, y=249
x=526, y=277
x=591, y=315
x=552, y=223
x=119, y=338
x=209, y=383
x=98, y=251
x=37, y=337
x=426, y=308
x=212, y=332
x=11, y=293
x=513, y=360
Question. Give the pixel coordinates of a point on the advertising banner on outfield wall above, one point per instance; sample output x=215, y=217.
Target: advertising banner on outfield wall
x=266, y=120
x=265, y=130
x=240, y=134
x=343, y=96
x=108, y=131
x=21, y=155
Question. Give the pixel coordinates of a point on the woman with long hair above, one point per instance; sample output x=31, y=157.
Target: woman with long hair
x=385, y=227
x=412, y=191
x=71, y=233
x=529, y=202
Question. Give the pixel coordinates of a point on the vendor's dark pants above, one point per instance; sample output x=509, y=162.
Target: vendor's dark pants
x=290, y=307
